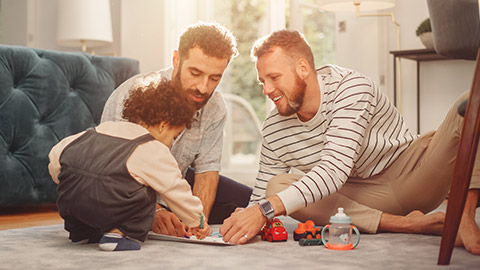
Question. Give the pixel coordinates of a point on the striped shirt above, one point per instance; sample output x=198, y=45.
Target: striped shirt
x=357, y=132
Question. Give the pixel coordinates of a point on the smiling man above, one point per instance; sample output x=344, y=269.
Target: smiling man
x=203, y=54
x=354, y=149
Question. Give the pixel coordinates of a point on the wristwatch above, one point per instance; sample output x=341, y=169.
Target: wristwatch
x=267, y=209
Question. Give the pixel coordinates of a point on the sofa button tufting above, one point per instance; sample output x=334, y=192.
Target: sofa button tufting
x=40, y=104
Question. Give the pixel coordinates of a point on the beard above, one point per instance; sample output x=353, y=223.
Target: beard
x=294, y=103
x=191, y=91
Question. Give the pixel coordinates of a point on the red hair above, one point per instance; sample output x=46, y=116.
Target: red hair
x=292, y=43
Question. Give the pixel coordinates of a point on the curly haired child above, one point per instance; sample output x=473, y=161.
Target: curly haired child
x=109, y=176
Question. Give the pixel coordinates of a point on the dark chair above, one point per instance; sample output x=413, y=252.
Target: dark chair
x=456, y=31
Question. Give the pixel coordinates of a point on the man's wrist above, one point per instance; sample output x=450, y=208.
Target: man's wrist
x=277, y=205
x=205, y=187
x=267, y=209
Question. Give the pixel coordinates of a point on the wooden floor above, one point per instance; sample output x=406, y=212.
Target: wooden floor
x=22, y=217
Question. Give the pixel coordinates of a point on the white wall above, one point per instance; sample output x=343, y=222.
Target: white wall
x=33, y=23
x=14, y=22
x=142, y=32
x=358, y=47
x=150, y=29
x=366, y=46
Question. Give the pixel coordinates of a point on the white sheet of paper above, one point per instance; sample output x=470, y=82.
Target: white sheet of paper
x=209, y=240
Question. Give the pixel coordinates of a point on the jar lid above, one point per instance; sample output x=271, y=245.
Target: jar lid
x=340, y=217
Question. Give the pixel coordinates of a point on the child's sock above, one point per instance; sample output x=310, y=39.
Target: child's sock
x=117, y=242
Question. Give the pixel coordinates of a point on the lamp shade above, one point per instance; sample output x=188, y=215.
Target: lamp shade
x=349, y=5
x=84, y=21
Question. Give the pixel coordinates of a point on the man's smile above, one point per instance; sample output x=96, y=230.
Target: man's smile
x=276, y=99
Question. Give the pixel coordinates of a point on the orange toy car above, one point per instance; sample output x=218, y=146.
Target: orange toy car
x=274, y=231
x=307, y=230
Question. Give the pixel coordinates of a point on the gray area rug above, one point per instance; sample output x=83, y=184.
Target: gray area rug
x=48, y=247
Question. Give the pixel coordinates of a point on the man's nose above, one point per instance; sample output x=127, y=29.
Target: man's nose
x=268, y=89
x=202, y=85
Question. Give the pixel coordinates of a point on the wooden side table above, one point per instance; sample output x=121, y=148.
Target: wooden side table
x=418, y=56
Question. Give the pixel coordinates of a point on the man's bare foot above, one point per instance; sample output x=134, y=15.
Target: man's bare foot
x=468, y=235
x=426, y=224
x=414, y=222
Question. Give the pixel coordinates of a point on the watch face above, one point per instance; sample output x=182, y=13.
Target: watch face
x=268, y=207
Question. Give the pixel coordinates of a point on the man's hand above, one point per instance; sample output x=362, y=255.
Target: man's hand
x=242, y=225
x=166, y=222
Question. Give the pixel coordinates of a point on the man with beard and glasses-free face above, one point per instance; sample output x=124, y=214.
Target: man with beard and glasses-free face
x=203, y=53
x=354, y=149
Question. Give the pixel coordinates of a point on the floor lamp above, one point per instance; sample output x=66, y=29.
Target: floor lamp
x=360, y=6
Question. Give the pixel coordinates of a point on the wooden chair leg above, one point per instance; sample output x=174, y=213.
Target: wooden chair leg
x=463, y=170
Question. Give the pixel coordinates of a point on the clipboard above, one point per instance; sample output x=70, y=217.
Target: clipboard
x=209, y=240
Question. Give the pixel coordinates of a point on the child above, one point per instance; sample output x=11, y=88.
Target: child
x=108, y=177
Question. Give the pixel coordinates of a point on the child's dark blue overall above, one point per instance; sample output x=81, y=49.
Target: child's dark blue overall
x=96, y=192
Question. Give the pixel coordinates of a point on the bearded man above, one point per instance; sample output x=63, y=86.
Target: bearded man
x=204, y=51
x=355, y=151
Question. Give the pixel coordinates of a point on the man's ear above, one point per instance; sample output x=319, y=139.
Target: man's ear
x=302, y=68
x=175, y=63
x=175, y=59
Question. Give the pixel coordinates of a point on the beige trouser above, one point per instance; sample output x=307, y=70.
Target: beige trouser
x=419, y=179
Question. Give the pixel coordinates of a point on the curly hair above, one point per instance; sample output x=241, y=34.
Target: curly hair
x=292, y=42
x=159, y=102
x=214, y=39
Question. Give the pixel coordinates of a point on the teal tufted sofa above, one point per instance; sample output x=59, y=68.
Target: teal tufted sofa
x=44, y=97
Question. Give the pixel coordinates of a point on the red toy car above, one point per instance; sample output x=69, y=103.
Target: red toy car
x=274, y=231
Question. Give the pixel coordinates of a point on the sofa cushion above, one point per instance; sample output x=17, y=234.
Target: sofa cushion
x=44, y=97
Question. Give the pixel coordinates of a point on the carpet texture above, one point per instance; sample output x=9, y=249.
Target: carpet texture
x=48, y=247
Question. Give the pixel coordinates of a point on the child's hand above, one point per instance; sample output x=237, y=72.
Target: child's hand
x=201, y=233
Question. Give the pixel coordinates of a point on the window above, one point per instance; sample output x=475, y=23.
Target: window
x=242, y=141
x=319, y=29
x=247, y=106
x=247, y=20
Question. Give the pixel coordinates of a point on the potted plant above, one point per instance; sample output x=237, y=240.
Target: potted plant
x=424, y=32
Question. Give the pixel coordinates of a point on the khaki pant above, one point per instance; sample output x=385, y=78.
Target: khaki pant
x=419, y=179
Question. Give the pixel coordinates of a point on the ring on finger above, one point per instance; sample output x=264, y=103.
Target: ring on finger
x=246, y=237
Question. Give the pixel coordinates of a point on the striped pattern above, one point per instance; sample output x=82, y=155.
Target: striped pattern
x=356, y=133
